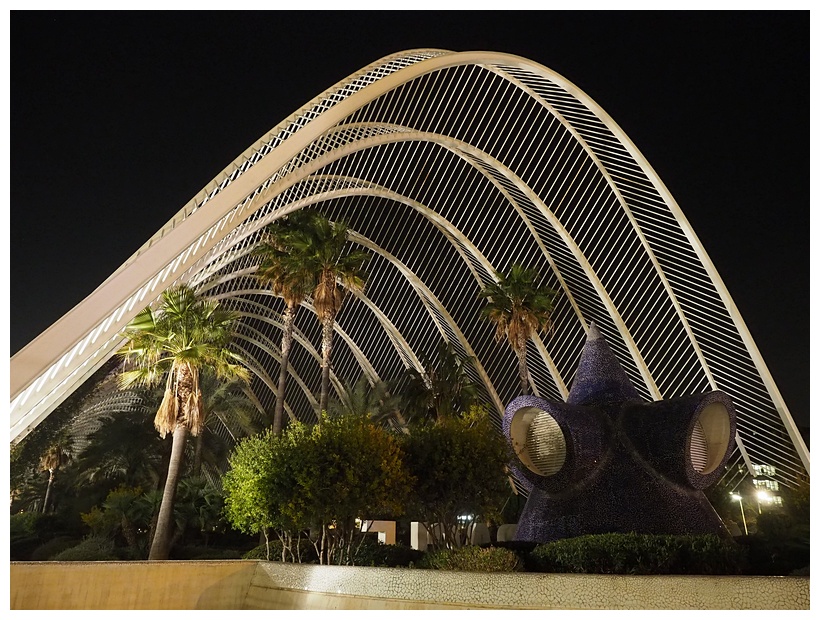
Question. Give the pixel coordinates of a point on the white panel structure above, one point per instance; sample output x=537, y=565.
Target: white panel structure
x=447, y=166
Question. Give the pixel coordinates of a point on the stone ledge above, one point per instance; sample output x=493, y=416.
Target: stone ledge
x=249, y=584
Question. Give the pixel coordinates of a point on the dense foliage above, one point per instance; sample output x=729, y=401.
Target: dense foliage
x=640, y=554
x=472, y=558
x=442, y=389
x=459, y=464
x=320, y=478
x=374, y=553
x=92, y=549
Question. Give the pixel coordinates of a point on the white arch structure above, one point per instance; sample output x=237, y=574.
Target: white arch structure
x=448, y=166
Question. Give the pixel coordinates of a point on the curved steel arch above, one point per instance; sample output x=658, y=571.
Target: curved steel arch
x=539, y=146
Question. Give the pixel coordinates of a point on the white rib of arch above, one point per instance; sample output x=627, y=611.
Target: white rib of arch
x=59, y=359
x=450, y=231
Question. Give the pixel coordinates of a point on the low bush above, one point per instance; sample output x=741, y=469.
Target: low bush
x=375, y=553
x=92, y=549
x=522, y=548
x=21, y=548
x=640, y=554
x=472, y=558
x=49, y=549
x=257, y=553
x=29, y=531
x=204, y=553
x=771, y=556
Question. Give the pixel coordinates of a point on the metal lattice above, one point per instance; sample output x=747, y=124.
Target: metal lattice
x=447, y=166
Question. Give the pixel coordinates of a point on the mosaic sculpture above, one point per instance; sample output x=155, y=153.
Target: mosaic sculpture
x=608, y=461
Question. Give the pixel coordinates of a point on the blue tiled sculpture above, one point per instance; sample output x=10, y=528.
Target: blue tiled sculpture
x=608, y=461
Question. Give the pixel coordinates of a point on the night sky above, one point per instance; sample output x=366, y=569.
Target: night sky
x=118, y=119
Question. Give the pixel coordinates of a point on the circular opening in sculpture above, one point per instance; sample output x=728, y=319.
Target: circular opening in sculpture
x=710, y=438
x=538, y=441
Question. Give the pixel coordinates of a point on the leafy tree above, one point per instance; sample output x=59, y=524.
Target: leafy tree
x=123, y=505
x=185, y=334
x=321, y=247
x=289, y=275
x=459, y=466
x=260, y=488
x=444, y=388
x=322, y=477
x=351, y=468
x=518, y=307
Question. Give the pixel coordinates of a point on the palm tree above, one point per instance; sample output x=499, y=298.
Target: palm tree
x=55, y=457
x=374, y=401
x=518, y=307
x=229, y=415
x=444, y=388
x=185, y=334
x=321, y=249
x=288, y=276
x=124, y=451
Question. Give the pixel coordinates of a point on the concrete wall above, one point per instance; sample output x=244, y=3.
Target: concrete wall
x=248, y=584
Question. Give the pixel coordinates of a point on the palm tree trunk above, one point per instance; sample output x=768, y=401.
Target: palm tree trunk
x=523, y=375
x=48, y=489
x=198, y=452
x=161, y=546
x=327, y=348
x=287, y=340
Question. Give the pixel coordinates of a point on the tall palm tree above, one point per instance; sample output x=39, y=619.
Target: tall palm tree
x=185, y=334
x=518, y=307
x=321, y=247
x=288, y=276
x=55, y=457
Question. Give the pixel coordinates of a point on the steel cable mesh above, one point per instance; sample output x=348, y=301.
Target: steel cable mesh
x=455, y=173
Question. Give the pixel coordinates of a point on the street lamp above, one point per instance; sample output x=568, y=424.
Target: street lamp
x=762, y=496
x=739, y=499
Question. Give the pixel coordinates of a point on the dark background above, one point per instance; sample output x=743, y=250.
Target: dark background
x=117, y=119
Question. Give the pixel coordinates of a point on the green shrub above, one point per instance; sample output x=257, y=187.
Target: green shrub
x=51, y=525
x=472, y=558
x=204, y=553
x=257, y=553
x=21, y=525
x=375, y=553
x=522, y=549
x=640, y=554
x=775, y=556
x=92, y=549
x=21, y=548
x=49, y=549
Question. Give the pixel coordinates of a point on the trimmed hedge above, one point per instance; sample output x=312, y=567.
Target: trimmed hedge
x=375, y=553
x=204, y=553
x=92, y=549
x=640, y=554
x=51, y=548
x=472, y=558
